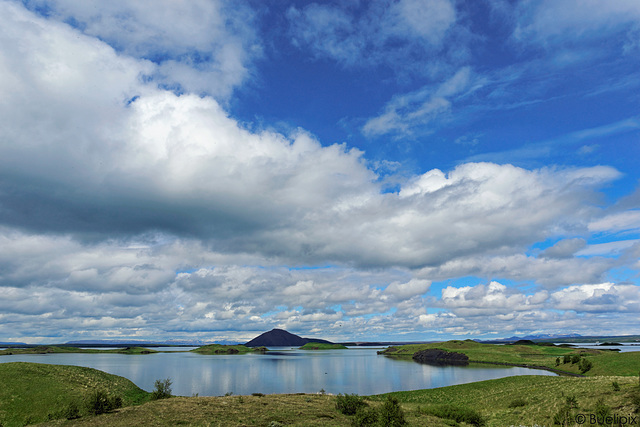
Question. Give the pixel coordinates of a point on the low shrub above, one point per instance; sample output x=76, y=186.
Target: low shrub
x=602, y=411
x=162, y=389
x=391, y=414
x=585, y=365
x=72, y=411
x=564, y=417
x=99, y=402
x=575, y=359
x=349, y=404
x=458, y=414
x=515, y=403
x=566, y=359
x=615, y=386
x=365, y=417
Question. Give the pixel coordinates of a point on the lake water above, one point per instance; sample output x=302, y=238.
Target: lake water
x=357, y=370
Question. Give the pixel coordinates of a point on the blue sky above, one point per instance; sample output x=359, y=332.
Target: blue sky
x=410, y=169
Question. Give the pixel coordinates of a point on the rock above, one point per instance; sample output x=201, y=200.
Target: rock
x=440, y=357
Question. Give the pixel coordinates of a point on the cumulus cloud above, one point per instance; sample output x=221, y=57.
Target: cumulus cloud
x=198, y=46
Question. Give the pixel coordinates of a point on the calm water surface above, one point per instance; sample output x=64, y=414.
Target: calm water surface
x=358, y=370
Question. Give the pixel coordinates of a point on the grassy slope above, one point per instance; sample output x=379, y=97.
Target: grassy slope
x=543, y=395
x=605, y=362
x=322, y=346
x=32, y=391
x=227, y=349
x=290, y=410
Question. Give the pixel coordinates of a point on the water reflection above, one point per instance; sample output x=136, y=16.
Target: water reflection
x=358, y=370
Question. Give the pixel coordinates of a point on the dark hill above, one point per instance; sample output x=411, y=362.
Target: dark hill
x=281, y=338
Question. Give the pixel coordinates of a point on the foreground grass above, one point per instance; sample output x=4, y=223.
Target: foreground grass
x=525, y=400
x=34, y=392
x=538, y=399
x=605, y=362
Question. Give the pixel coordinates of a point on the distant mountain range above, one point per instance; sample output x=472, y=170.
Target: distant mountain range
x=145, y=343
x=281, y=338
x=540, y=337
x=5, y=344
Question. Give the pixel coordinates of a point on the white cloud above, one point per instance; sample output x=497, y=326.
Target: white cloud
x=209, y=49
x=565, y=248
x=404, y=113
x=618, y=222
x=382, y=33
x=555, y=20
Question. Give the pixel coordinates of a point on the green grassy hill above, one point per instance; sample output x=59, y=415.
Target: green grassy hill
x=34, y=392
x=322, y=346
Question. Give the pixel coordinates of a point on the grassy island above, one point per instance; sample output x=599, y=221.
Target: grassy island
x=322, y=346
x=228, y=349
x=47, y=349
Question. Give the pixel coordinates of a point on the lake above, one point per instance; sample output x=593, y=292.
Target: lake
x=356, y=370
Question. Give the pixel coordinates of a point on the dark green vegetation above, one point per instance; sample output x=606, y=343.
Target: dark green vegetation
x=162, y=389
x=572, y=360
x=228, y=349
x=33, y=392
x=46, y=349
x=322, y=346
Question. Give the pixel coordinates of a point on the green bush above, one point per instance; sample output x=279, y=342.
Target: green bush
x=572, y=402
x=585, y=365
x=349, y=404
x=564, y=417
x=575, y=359
x=602, y=411
x=391, y=414
x=515, y=403
x=162, y=389
x=365, y=417
x=615, y=386
x=458, y=414
x=566, y=359
x=71, y=412
x=99, y=402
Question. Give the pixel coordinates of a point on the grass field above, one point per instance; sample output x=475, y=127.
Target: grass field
x=537, y=399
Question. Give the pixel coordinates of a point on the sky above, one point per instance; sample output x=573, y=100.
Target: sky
x=352, y=170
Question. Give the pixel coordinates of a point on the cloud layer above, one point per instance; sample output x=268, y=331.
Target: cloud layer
x=133, y=204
